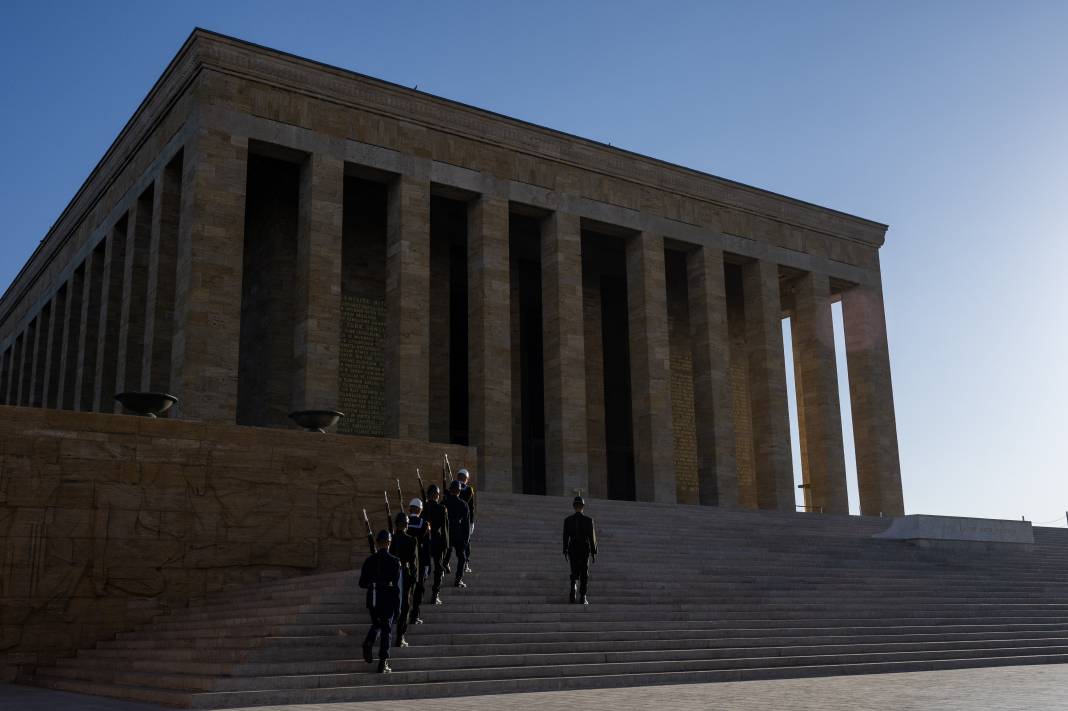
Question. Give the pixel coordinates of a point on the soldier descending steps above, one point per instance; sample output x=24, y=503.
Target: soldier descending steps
x=406, y=550
x=382, y=577
x=437, y=517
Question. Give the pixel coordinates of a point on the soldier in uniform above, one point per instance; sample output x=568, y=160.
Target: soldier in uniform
x=580, y=544
x=459, y=530
x=383, y=578
x=406, y=550
x=437, y=517
x=467, y=495
x=419, y=529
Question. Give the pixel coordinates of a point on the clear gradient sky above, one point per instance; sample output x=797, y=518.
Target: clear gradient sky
x=946, y=120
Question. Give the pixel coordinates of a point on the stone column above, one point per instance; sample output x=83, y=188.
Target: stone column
x=68, y=356
x=767, y=386
x=207, y=314
x=40, y=346
x=650, y=369
x=110, y=317
x=407, y=391
x=53, y=357
x=88, y=331
x=564, y=356
x=489, y=339
x=17, y=386
x=818, y=407
x=717, y=468
x=872, y=400
x=131, y=345
x=29, y=363
x=160, y=286
x=317, y=292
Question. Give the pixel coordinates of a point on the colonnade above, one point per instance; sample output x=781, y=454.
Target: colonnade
x=156, y=305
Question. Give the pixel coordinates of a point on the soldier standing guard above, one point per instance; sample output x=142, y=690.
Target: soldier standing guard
x=382, y=577
x=459, y=530
x=437, y=516
x=580, y=543
x=419, y=529
x=406, y=550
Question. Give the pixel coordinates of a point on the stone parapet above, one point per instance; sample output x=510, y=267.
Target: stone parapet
x=107, y=520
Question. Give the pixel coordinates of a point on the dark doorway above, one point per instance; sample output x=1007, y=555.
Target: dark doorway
x=265, y=366
x=448, y=321
x=526, y=270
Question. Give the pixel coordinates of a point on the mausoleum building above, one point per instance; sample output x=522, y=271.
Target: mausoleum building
x=270, y=234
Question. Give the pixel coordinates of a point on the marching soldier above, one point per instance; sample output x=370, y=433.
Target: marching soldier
x=580, y=544
x=459, y=530
x=467, y=495
x=382, y=577
x=437, y=517
x=406, y=550
x=419, y=529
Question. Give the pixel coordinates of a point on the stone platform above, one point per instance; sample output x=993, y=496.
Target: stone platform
x=994, y=689
x=108, y=520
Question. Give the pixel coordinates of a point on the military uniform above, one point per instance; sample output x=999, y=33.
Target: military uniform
x=467, y=495
x=406, y=550
x=383, y=578
x=437, y=516
x=459, y=533
x=419, y=529
x=580, y=542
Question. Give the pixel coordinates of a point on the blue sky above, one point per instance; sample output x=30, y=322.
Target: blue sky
x=946, y=120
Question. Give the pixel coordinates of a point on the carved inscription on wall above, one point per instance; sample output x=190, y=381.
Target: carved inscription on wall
x=361, y=376
x=682, y=408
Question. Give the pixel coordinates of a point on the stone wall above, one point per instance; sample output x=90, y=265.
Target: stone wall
x=107, y=520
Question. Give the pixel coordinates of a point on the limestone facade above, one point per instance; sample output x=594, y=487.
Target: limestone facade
x=270, y=234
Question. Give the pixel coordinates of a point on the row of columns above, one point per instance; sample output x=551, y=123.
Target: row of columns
x=116, y=322
x=88, y=341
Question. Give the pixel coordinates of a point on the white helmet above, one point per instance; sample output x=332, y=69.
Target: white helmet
x=415, y=504
x=463, y=473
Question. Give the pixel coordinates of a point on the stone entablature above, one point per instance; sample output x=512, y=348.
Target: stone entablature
x=345, y=105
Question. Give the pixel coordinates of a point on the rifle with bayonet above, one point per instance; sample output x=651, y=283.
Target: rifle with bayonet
x=370, y=532
x=400, y=497
x=389, y=513
x=446, y=474
x=422, y=488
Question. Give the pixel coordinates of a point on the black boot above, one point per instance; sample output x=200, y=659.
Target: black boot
x=367, y=652
x=383, y=667
x=572, y=592
x=437, y=599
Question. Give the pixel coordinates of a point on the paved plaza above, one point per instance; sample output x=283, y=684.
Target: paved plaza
x=1022, y=688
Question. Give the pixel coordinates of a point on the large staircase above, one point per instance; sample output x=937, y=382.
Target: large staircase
x=679, y=594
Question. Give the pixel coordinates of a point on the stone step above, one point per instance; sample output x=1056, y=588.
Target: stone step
x=232, y=649
x=462, y=658
x=450, y=689
x=536, y=666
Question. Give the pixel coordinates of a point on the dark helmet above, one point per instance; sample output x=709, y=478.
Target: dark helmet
x=455, y=486
x=401, y=519
x=432, y=490
x=579, y=501
x=383, y=535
